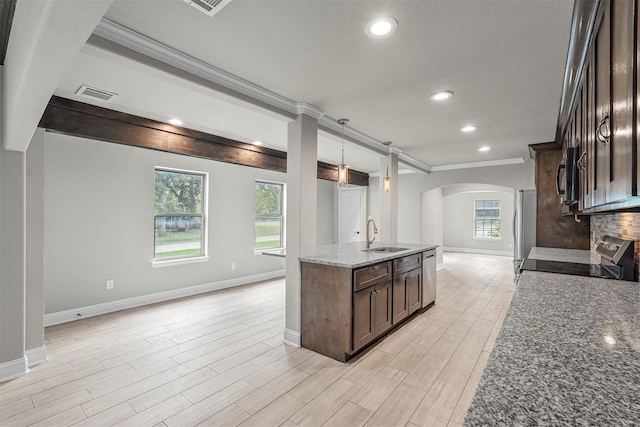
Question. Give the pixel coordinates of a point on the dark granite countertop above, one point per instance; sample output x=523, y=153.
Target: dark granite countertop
x=352, y=255
x=568, y=354
x=578, y=256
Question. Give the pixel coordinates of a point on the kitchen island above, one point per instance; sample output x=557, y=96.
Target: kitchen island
x=351, y=295
x=568, y=354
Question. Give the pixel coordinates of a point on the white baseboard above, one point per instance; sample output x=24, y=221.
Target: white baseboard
x=36, y=356
x=292, y=337
x=13, y=369
x=65, y=316
x=478, y=251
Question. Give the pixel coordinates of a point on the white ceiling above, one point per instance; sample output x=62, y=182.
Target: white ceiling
x=504, y=60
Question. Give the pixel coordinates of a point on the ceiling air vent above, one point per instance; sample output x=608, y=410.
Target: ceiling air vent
x=209, y=7
x=92, y=92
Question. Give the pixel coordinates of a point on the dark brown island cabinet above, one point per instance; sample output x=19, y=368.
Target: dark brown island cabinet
x=344, y=308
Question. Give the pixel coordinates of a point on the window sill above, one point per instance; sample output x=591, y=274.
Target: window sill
x=275, y=252
x=487, y=238
x=172, y=262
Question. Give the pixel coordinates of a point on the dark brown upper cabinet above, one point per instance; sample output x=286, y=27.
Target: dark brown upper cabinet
x=603, y=120
x=620, y=184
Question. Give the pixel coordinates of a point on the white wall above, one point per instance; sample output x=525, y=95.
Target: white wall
x=99, y=201
x=326, y=219
x=459, y=222
x=431, y=228
x=412, y=216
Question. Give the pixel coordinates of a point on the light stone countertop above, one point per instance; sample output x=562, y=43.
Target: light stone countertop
x=351, y=255
x=578, y=256
x=568, y=354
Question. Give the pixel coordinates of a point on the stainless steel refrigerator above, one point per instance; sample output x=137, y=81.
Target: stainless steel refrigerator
x=524, y=227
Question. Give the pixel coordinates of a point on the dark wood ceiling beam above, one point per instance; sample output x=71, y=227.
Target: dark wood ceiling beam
x=84, y=120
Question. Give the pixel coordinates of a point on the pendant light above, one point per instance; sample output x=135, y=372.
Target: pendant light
x=387, y=179
x=343, y=170
x=387, y=182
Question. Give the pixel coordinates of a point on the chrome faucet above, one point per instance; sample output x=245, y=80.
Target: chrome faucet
x=375, y=231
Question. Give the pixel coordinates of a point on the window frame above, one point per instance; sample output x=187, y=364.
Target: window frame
x=283, y=202
x=204, y=226
x=475, y=220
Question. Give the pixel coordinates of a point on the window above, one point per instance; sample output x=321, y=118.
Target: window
x=269, y=226
x=487, y=219
x=180, y=207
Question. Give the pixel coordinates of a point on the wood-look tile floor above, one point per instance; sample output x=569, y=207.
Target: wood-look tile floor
x=218, y=359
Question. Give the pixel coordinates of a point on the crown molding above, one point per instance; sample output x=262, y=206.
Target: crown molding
x=137, y=42
x=415, y=163
x=144, y=45
x=309, y=110
x=503, y=162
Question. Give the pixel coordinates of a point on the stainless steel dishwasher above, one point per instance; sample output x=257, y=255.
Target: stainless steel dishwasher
x=428, y=277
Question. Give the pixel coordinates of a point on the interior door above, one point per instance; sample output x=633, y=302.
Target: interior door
x=350, y=215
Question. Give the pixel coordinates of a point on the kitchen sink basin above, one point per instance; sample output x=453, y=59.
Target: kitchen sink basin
x=385, y=249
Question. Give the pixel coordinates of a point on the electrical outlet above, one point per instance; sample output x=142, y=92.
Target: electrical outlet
x=233, y=265
x=109, y=284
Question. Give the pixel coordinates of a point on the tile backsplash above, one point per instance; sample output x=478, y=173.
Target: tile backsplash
x=624, y=225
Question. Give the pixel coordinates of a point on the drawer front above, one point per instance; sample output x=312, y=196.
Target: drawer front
x=371, y=275
x=407, y=263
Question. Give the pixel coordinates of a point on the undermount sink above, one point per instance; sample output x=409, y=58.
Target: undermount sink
x=385, y=249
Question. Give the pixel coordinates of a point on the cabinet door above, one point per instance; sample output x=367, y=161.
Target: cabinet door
x=602, y=107
x=382, y=308
x=637, y=129
x=582, y=144
x=363, y=322
x=400, y=308
x=587, y=141
x=621, y=183
x=414, y=288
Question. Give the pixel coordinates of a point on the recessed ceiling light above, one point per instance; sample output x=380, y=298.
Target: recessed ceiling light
x=257, y=142
x=440, y=96
x=469, y=128
x=176, y=122
x=381, y=27
x=484, y=148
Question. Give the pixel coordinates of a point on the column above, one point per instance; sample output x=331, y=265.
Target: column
x=34, y=308
x=13, y=361
x=302, y=188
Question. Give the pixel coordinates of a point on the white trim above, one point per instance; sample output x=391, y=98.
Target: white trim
x=180, y=261
x=400, y=172
x=137, y=42
x=123, y=304
x=440, y=266
x=292, y=337
x=478, y=251
x=36, y=356
x=13, y=369
x=503, y=162
x=309, y=110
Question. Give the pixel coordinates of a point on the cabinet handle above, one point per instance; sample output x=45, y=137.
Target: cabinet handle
x=601, y=136
x=558, y=190
x=579, y=164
